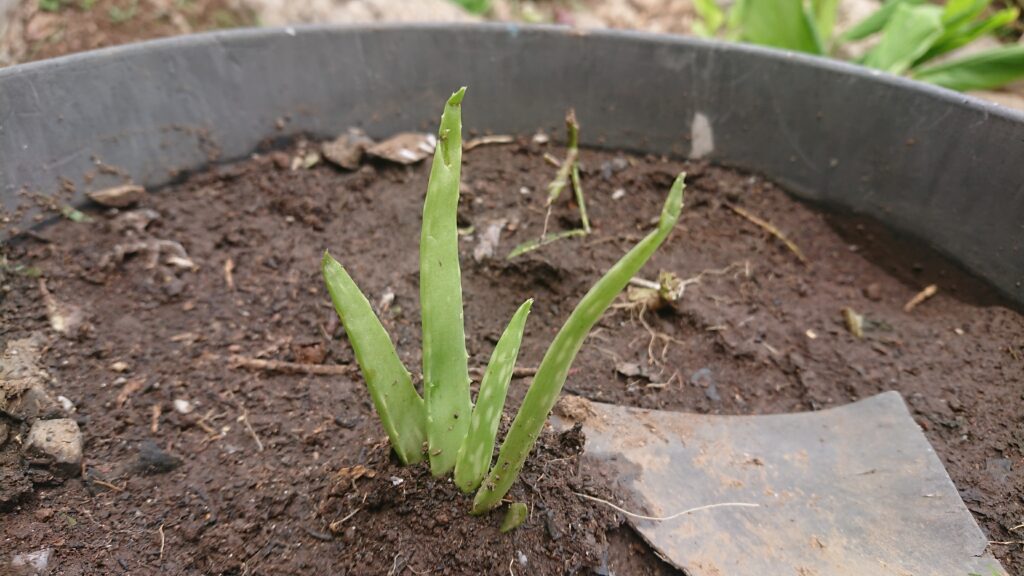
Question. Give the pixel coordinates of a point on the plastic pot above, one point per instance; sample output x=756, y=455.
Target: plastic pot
x=927, y=162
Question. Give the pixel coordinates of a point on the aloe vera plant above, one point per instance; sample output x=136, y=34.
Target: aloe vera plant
x=443, y=425
x=913, y=33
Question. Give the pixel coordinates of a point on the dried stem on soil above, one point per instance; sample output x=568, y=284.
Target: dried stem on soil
x=289, y=367
x=488, y=140
x=108, y=485
x=771, y=229
x=244, y=419
x=920, y=297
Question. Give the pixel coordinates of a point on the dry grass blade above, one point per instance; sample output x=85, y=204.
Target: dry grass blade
x=771, y=229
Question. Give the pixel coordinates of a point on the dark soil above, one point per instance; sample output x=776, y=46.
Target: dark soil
x=40, y=29
x=172, y=493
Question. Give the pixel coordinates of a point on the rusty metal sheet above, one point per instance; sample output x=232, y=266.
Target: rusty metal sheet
x=854, y=490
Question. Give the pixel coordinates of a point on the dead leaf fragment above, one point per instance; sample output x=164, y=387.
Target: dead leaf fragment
x=346, y=151
x=489, y=240
x=629, y=369
x=405, y=148
x=118, y=196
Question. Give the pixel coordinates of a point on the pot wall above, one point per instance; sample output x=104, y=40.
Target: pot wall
x=938, y=165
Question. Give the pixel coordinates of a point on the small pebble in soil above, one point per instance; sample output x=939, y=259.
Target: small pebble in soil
x=551, y=524
x=33, y=563
x=66, y=404
x=58, y=443
x=154, y=460
x=873, y=292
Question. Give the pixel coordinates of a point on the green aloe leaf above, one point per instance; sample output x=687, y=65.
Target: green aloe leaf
x=445, y=362
x=475, y=454
x=967, y=34
x=824, y=12
x=876, y=21
x=981, y=71
x=710, y=17
x=780, y=23
x=957, y=13
x=515, y=516
x=554, y=368
x=908, y=35
x=400, y=408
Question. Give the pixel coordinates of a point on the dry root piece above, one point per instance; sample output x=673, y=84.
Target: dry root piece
x=655, y=295
x=920, y=297
x=669, y=289
x=153, y=248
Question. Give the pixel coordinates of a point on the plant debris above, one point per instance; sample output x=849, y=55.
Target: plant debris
x=346, y=151
x=854, y=322
x=404, y=148
x=928, y=292
x=771, y=229
x=124, y=196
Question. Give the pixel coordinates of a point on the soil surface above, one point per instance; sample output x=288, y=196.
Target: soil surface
x=201, y=460
x=38, y=29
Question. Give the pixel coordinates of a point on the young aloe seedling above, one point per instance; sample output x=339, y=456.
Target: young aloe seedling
x=443, y=425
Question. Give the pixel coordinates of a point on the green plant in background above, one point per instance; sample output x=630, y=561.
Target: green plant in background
x=475, y=6
x=51, y=5
x=443, y=425
x=911, y=35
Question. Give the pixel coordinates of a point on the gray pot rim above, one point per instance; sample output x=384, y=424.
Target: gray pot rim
x=963, y=143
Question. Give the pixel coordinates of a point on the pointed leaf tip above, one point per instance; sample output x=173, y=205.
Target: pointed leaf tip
x=457, y=96
x=674, y=203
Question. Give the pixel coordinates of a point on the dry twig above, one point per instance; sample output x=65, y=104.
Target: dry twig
x=154, y=424
x=229, y=278
x=771, y=229
x=289, y=367
x=108, y=485
x=244, y=419
x=920, y=297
